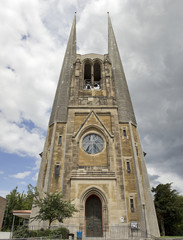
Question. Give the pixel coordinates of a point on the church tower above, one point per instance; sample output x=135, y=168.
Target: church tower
x=92, y=152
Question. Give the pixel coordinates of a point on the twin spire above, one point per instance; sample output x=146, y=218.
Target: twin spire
x=125, y=108
x=61, y=101
x=60, y=105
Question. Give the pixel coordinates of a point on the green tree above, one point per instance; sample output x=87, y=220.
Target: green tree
x=17, y=201
x=169, y=209
x=52, y=207
x=28, y=200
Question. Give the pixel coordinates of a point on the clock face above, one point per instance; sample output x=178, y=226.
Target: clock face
x=92, y=143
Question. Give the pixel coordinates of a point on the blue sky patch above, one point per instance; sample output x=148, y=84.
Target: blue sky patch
x=10, y=68
x=27, y=124
x=10, y=165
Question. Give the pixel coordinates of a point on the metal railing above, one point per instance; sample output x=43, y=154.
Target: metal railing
x=118, y=232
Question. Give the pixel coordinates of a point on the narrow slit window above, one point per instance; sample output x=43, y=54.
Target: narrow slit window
x=132, y=205
x=136, y=147
x=97, y=76
x=128, y=167
x=60, y=140
x=124, y=133
x=57, y=170
x=87, y=76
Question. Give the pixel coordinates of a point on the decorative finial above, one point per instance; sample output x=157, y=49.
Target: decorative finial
x=75, y=12
x=107, y=12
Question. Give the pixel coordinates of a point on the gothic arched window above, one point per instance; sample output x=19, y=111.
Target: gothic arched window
x=87, y=76
x=97, y=76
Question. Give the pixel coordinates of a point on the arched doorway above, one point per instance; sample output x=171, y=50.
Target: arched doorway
x=93, y=214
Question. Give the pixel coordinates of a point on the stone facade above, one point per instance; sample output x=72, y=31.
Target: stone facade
x=116, y=175
x=2, y=209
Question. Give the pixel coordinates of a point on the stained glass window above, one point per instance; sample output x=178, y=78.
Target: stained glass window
x=92, y=143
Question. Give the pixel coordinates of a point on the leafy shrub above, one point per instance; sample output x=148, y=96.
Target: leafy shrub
x=21, y=232
x=59, y=231
x=24, y=232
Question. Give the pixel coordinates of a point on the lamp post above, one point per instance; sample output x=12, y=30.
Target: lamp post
x=12, y=227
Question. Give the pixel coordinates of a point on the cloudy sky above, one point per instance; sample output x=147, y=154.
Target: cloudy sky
x=33, y=38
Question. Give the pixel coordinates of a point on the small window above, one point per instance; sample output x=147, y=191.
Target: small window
x=60, y=140
x=124, y=132
x=132, y=205
x=57, y=169
x=128, y=167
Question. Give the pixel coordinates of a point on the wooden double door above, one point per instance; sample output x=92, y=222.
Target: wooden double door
x=93, y=214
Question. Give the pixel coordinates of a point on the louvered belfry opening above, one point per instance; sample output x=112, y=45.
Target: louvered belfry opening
x=87, y=76
x=97, y=76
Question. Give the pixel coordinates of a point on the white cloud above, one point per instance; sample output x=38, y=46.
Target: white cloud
x=33, y=41
x=21, y=175
x=166, y=177
x=1, y=172
x=26, y=73
x=19, y=140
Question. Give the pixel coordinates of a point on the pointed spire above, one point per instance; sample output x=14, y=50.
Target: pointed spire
x=59, y=109
x=125, y=108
